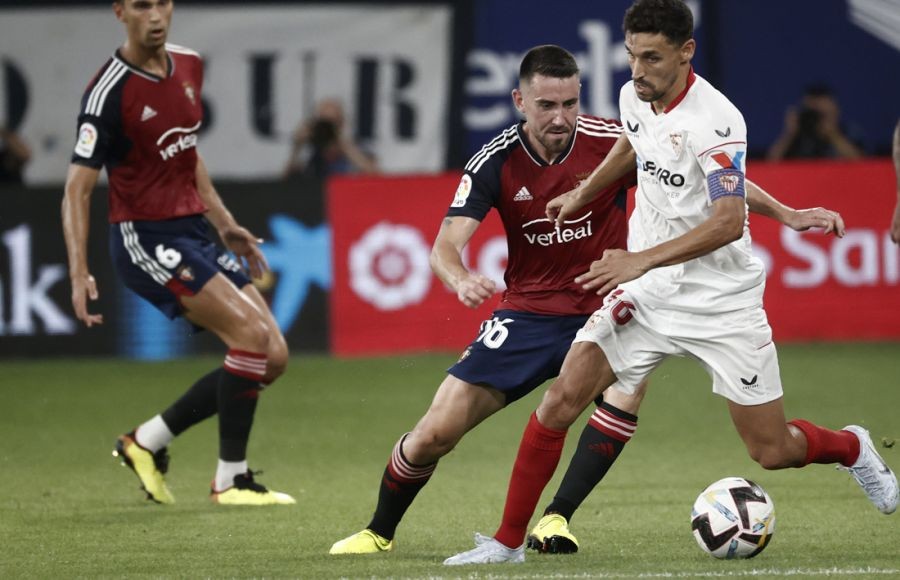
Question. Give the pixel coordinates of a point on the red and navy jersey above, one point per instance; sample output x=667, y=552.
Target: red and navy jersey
x=544, y=260
x=143, y=129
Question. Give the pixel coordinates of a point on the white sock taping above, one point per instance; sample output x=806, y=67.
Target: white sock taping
x=153, y=434
x=226, y=471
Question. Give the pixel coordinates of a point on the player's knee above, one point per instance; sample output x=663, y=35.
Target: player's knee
x=428, y=445
x=253, y=335
x=277, y=359
x=768, y=455
x=560, y=406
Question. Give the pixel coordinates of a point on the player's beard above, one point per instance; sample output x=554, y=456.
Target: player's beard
x=555, y=143
x=648, y=97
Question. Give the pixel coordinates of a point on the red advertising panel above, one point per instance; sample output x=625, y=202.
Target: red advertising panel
x=386, y=300
x=822, y=287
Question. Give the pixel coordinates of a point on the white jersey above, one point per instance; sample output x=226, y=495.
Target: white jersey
x=700, y=136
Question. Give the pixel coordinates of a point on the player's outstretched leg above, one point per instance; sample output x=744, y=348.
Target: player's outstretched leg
x=400, y=483
x=601, y=442
x=239, y=388
x=197, y=404
x=457, y=407
x=154, y=435
x=872, y=474
x=538, y=456
x=149, y=466
x=852, y=449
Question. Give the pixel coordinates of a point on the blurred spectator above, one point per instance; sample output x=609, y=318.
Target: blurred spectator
x=14, y=156
x=815, y=130
x=320, y=148
x=895, y=223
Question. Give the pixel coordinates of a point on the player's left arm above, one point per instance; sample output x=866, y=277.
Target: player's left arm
x=725, y=225
x=235, y=237
x=722, y=164
x=762, y=203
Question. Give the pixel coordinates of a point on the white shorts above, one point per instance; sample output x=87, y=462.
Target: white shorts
x=735, y=348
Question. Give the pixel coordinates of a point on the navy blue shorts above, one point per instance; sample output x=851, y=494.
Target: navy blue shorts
x=515, y=352
x=164, y=260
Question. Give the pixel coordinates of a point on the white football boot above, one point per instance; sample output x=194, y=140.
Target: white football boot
x=872, y=473
x=487, y=550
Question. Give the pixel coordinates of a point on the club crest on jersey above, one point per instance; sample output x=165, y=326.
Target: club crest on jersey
x=730, y=182
x=677, y=142
x=190, y=93
x=87, y=140
x=462, y=192
x=186, y=273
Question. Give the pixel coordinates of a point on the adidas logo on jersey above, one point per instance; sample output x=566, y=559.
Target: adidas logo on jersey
x=523, y=195
x=148, y=113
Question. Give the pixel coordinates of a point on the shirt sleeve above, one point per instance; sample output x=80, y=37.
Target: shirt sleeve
x=721, y=149
x=96, y=131
x=474, y=197
x=92, y=143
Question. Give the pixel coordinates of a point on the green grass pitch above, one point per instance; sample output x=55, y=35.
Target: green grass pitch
x=325, y=431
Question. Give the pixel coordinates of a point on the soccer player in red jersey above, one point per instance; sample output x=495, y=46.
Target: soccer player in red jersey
x=523, y=344
x=139, y=118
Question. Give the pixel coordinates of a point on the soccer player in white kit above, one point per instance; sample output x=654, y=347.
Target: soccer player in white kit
x=688, y=285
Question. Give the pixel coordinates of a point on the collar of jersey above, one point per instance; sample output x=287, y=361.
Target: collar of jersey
x=141, y=72
x=690, y=81
x=523, y=138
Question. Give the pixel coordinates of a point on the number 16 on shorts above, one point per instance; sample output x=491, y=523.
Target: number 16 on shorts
x=494, y=332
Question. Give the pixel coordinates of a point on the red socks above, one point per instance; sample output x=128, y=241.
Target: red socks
x=538, y=456
x=827, y=446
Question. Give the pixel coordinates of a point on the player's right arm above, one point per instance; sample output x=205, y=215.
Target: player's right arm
x=617, y=163
x=471, y=288
x=80, y=183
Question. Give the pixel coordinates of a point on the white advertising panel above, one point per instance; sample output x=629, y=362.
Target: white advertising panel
x=265, y=69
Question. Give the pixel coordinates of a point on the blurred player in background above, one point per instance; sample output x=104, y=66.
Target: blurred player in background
x=523, y=344
x=139, y=118
x=689, y=285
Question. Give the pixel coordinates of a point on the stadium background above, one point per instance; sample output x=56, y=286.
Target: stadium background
x=425, y=84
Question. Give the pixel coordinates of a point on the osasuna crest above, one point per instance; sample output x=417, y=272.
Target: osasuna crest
x=190, y=93
x=677, y=142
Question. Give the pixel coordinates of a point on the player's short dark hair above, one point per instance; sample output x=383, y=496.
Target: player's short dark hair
x=548, y=60
x=671, y=18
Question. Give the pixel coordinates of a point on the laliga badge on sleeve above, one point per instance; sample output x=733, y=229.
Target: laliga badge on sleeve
x=87, y=140
x=462, y=192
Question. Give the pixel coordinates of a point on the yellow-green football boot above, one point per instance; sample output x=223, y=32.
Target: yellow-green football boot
x=149, y=467
x=246, y=491
x=364, y=542
x=551, y=535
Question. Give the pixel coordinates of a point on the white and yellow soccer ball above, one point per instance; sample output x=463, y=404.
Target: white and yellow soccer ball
x=733, y=518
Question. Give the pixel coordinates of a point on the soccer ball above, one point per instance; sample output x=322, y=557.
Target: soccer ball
x=733, y=518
